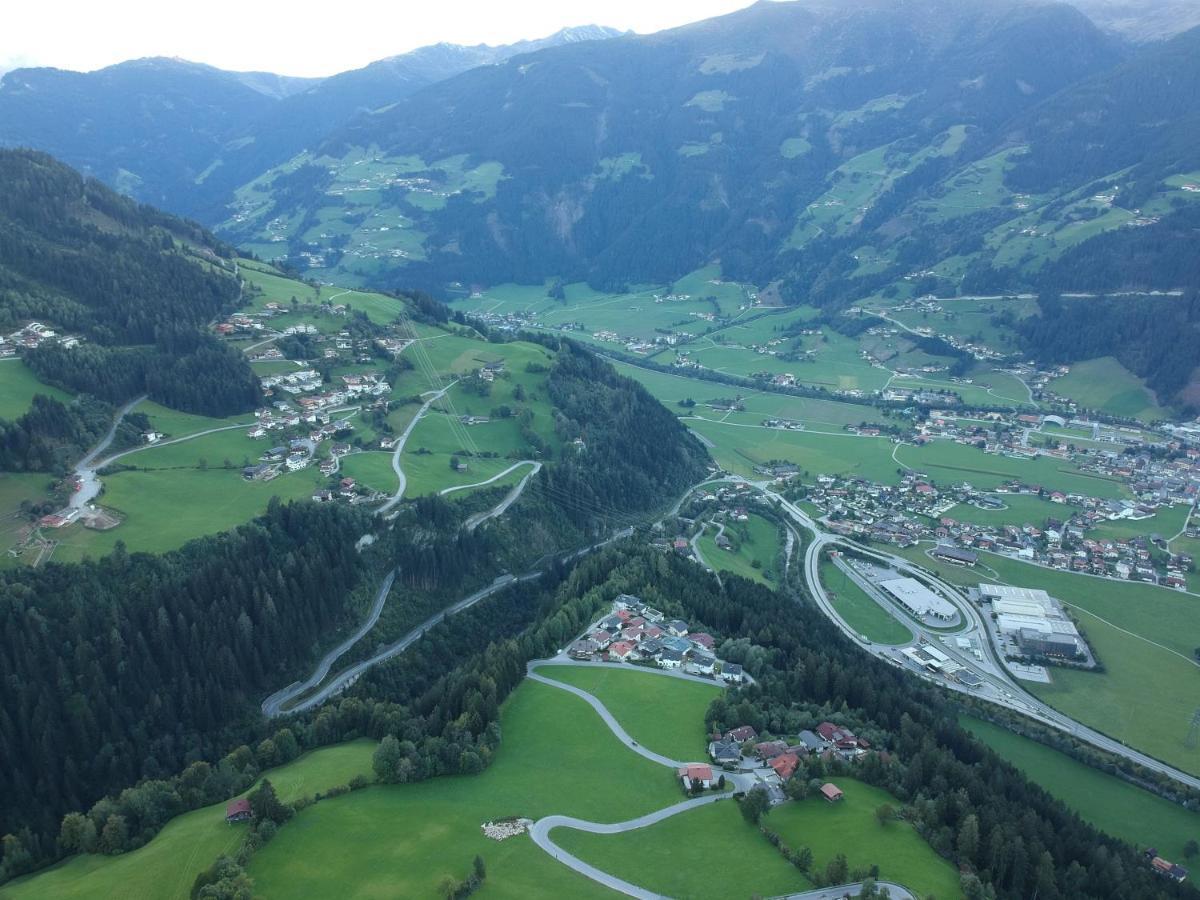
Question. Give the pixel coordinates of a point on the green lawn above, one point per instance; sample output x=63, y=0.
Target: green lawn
x=1106, y=385
x=372, y=468
x=167, y=866
x=1020, y=509
x=664, y=714
x=709, y=852
x=1167, y=522
x=1105, y=801
x=761, y=544
x=400, y=841
x=859, y=611
x=17, y=387
x=850, y=827
x=953, y=463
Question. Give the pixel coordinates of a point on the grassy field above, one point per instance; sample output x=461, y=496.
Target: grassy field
x=1105, y=801
x=950, y=462
x=165, y=868
x=372, y=468
x=165, y=509
x=1106, y=385
x=1020, y=509
x=664, y=714
x=708, y=852
x=850, y=827
x=17, y=387
x=400, y=841
x=859, y=611
x=761, y=544
x=1167, y=522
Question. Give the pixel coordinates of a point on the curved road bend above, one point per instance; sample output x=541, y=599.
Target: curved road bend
x=510, y=498
x=1007, y=692
x=273, y=705
x=401, y=441
x=85, y=469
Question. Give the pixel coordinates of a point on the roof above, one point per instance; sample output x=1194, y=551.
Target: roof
x=785, y=764
x=240, y=806
x=696, y=772
x=831, y=791
x=918, y=598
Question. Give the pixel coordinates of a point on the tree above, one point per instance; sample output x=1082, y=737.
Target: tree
x=804, y=859
x=968, y=839
x=266, y=805
x=1191, y=848
x=387, y=760
x=884, y=813
x=479, y=868
x=114, y=838
x=754, y=806
x=838, y=870
x=78, y=833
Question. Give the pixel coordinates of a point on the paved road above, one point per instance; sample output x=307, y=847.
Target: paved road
x=895, y=891
x=500, y=508
x=85, y=470
x=273, y=705
x=540, y=832
x=400, y=476
x=999, y=686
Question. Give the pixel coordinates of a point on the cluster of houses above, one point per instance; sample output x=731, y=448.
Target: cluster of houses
x=31, y=336
x=1165, y=868
x=776, y=760
x=634, y=632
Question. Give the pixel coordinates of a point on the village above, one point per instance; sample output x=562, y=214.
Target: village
x=34, y=335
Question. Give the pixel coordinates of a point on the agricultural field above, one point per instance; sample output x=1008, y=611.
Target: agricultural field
x=952, y=463
x=1166, y=522
x=166, y=867
x=1020, y=509
x=849, y=826
x=663, y=714
x=1105, y=801
x=18, y=386
x=706, y=852
x=372, y=468
x=859, y=611
x=557, y=757
x=1106, y=385
x=761, y=545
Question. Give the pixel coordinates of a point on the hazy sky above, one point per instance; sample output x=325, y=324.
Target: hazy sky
x=303, y=37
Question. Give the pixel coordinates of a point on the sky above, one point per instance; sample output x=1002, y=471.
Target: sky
x=303, y=37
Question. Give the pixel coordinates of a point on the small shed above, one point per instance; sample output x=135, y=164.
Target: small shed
x=238, y=811
x=831, y=792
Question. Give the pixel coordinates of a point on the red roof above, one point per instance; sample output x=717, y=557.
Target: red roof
x=703, y=639
x=831, y=791
x=741, y=733
x=620, y=648
x=696, y=771
x=238, y=807
x=785, y=765
x=770, y=749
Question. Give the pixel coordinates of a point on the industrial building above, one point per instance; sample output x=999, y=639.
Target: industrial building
x=1039, y=643
x=920, y=600
x=1033, y=622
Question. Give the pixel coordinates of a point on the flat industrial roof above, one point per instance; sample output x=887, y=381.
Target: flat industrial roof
x=918, y=598
x=1008, y=592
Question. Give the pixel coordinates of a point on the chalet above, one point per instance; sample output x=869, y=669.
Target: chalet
x=601, y=638
x=670, y=658
x=621, y=650
x=701, y=639
x=741, y=734
x=238, y=811
x=831, y=792
x=731, y=673
x=702, y=663
x=322, y=496
x=583, y=649
x=696, y=773
x=723, y=752
x=768, y=750
x=812, y=742
x=785, y=765
x=680, y=645
x=677, y=627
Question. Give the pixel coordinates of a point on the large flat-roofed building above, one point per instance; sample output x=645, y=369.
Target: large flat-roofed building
x=994, y=592
x=1018, y=607
x=920, y=600
x=1047, y=644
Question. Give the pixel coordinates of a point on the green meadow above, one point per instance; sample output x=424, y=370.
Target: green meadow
x=18, y=386
x=1107, y=386
x=1105, y=801
x=859, y=611
x=760, y=545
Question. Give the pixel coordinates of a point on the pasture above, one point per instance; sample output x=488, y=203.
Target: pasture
x=1105, y=801
x=754, y=541
x=661, y=713
x=18, y=385
x=165, y=868
x=1107, y=386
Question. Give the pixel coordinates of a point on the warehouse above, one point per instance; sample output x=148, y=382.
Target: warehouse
x=994, y=592
x=1040, y=643
x=920, y=600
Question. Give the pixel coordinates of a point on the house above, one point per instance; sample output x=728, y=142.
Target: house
x=322, y=496
x=741, y=734
x=696, y=772
x=831, y=792
x=621, y=650
x=677, y=627
x=702, y=662
x=768, y=750
x=670, y=658
x=731, y=673
x=785, y=765
x=723, y=752
x=774, y=792
x=583, y=649
x=601, y=637
x=238, y=811
x=680, y=645
x=702, y=639
x=812, y=742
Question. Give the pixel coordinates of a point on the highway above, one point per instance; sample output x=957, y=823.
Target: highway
x=998, y=686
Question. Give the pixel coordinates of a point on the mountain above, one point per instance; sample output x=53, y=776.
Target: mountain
x=642, y=158
x=179, y=134
x=135, y=286
x=1141, y=21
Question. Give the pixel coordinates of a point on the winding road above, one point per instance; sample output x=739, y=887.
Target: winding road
x=399, y=448
x=510, y=498
x=85, y=469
